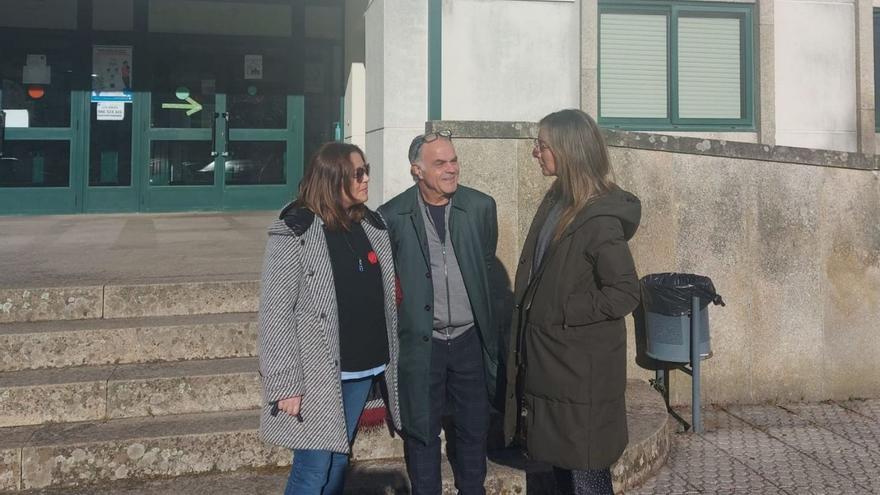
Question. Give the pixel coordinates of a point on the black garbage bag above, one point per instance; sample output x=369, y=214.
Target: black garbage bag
x=670, y=293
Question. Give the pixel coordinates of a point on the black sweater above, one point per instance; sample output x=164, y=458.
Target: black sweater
x=360, y=299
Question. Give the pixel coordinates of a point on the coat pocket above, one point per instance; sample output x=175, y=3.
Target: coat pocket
x=557, y=364
x=558, y=433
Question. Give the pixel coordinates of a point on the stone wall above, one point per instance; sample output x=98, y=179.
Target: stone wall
x=790, y=236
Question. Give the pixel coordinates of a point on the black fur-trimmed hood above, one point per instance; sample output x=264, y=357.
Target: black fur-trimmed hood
x=298, y=219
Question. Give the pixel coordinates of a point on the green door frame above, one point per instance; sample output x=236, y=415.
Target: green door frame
x=49, y=200
x=79, y=196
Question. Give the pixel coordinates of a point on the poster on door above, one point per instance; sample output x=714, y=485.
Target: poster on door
x=111, y=73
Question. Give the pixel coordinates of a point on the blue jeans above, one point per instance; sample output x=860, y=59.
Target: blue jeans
x=322, y=472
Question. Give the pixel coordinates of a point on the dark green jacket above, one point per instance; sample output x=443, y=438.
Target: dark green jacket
x=566, y=365
x=473, y=230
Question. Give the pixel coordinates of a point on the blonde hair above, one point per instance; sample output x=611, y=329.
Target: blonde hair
x=583, y=169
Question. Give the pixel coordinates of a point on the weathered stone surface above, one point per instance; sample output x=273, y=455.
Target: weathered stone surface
x=139, y=340
x=77, y=454
x=89, y=452
x=32, y=405
x=530, y=190
x=181, y=388
x=498, y=182
x=650, y=437
x=376, y=443
x=10, y=469
x=674, y=144
x=788, y=235
x=849, y=239
x=186, y=298
x=63, y=303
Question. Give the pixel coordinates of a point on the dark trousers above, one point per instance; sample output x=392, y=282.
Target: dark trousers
x=586, y=482
x=457, y=376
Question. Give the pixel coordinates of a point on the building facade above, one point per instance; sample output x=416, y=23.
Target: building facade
x=169, y=105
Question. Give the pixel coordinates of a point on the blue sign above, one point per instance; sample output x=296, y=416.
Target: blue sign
x=124, y=96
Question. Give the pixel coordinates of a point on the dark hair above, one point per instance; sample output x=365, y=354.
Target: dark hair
x=583, y=168
x=330, y=174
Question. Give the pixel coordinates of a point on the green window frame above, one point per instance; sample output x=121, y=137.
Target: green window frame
x=674, y=12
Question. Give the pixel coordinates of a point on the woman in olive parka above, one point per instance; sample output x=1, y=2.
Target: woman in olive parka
x=575, y=283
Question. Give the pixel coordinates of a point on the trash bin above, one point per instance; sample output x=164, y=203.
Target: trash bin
x=667, y=299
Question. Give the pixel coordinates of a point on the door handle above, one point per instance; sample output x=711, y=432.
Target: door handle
x=226, y=134
x=214, y=135
x=2, y=131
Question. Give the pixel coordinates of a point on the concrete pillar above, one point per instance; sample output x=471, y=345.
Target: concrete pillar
x=396, y=90
x=355, y=118
x=766, y=72
x=865, y=75
x=590, y=57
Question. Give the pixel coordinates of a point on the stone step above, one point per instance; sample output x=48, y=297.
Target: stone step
x=58, y=344
x=124, y=391
x=380, y=477
x=83, y=454
x=156, y=298
x=75, y=454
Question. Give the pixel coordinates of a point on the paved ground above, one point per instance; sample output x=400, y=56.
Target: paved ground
x=797, y=449
x=828, y=448
x=63, y=250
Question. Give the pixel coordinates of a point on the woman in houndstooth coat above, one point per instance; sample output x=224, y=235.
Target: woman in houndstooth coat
x=328, y=319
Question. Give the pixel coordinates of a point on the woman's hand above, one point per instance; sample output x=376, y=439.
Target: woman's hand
x=290, y=405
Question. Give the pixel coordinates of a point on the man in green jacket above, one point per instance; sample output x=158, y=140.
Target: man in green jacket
x=443, y=237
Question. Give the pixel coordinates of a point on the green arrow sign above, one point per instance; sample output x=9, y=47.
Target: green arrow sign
x=191, y=106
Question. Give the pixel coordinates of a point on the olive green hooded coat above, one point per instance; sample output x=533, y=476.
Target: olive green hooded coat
x=566, y=365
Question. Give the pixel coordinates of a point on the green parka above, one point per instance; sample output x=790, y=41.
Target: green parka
x=473, y=230
x=566, y=363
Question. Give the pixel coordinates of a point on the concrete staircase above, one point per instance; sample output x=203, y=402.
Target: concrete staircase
x=158, y=380
x=102, y=383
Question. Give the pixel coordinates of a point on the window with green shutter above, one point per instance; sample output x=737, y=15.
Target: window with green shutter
x=676, y=65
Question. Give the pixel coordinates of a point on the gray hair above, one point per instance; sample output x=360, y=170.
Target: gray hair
x=415, y=147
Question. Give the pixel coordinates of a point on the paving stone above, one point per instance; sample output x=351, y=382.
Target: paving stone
x=869, y=408
x=708, y=468
x=665, y=482
x=856, y=427
x=787, y=467
x=845, y=457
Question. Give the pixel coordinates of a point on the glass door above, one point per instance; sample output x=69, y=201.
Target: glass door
x=223, y=130
x=42, y=100
x=186, y=130
x=265, y=124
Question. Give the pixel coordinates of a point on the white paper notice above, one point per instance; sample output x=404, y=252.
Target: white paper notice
x=17, y=118
x=111, y=110
x=253, y=66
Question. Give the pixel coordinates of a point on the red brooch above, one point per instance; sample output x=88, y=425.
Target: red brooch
x=372, y=258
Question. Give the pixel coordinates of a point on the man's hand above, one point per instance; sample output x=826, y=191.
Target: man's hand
x=290, y=405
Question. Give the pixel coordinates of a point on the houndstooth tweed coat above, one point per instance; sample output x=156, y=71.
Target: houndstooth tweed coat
x=298, y=338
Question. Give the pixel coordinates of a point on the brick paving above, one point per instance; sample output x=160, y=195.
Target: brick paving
x=797, y=449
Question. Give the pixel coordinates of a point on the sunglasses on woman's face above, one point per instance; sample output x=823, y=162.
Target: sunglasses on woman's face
x=360, y=172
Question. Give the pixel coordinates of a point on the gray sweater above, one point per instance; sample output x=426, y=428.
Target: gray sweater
x=452, y=309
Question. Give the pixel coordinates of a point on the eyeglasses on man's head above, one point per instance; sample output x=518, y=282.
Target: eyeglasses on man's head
x=416, y=146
